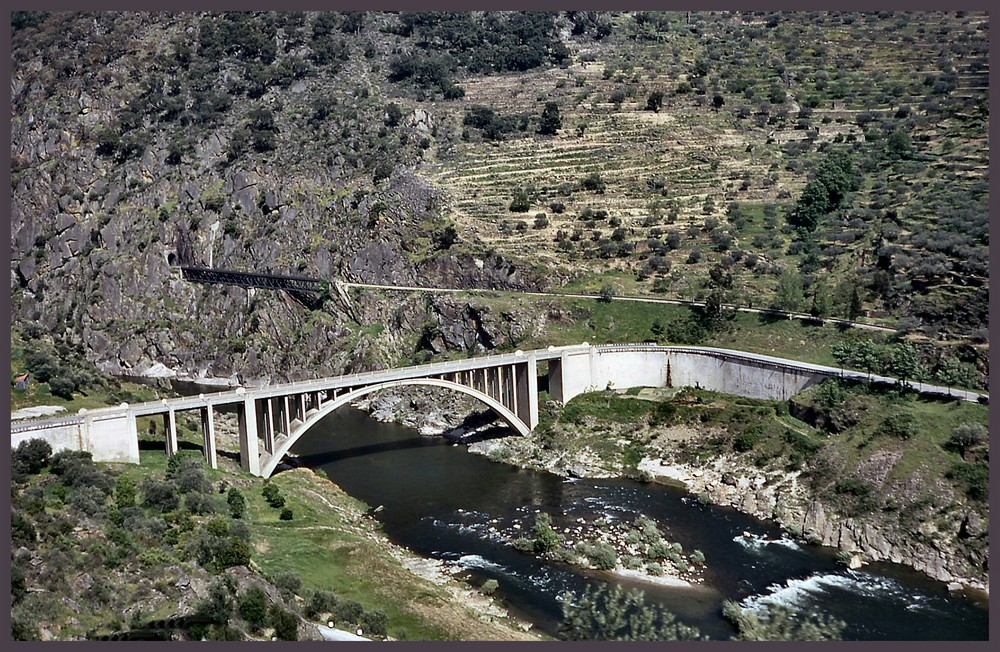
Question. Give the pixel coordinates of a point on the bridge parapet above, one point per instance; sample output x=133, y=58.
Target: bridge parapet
x=506, y=382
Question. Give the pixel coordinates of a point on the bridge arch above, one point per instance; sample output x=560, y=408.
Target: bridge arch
x=270, y=461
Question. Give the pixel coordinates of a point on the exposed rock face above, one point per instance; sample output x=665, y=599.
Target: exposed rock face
x=783, y=498
x=98, y=229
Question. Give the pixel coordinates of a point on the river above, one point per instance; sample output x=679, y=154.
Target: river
x=443, y=502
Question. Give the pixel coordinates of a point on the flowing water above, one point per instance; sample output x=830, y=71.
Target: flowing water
x=443, y=502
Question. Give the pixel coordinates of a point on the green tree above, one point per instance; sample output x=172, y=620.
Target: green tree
x=253, y=607
x=521, y=203
x=286, y=624
x=855, y=308
x=789, y=295
x=617, y=615
x=550, y=122
x=125, y=492
x=779, y=623
x=904, y=362
x=237, y=503
x=546, y=538
x=655, y=101
x=31, y=456
x=607, y=293
x=954, y=372
x=968, y=435
x=821, y=301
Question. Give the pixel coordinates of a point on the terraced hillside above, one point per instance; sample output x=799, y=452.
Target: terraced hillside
x=750, y=105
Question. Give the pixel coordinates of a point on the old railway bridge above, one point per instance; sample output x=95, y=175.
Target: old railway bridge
x=272, y=418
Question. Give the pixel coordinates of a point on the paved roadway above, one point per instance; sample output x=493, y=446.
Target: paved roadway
x=239, y=394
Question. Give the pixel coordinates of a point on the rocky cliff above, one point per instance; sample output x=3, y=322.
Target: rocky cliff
x=135, y=149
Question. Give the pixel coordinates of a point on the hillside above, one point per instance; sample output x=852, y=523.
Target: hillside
x=757, y=158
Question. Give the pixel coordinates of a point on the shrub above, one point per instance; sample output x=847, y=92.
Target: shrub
x=974, y=476
x=375, y=622
x=31, y=456
x=235, y=552
x=546, y=538
x=521, y=203
x=593, y=181
x=288, y=581
x=253, y=607
x=320, y=602
x=160, y=495
x=900, y=425
x=198, y=503
x=286, y=514
x=286, y=624
x=968, y=435
x=348, y=611
x=237, y=503
x=489, y=587
x=603, y=556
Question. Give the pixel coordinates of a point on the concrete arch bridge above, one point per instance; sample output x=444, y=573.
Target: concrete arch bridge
x=272, y=418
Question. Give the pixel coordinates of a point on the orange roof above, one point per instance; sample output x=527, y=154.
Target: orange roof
x=23, y=376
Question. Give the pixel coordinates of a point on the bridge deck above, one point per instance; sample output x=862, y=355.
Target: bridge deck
x=238, y=395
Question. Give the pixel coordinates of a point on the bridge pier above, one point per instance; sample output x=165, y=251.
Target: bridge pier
x=170, y=429
x=267, y=414
x=249, y=448
x=208, y=433
x=526, y=389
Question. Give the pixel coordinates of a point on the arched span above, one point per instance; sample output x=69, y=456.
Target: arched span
x=272, y=460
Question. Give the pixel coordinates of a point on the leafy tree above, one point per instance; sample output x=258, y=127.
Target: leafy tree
x=521, y=203
x=546, y=538
x=955, y=372
x=968, y=435
x=234, y=552
x=617, y=615
x=855, y=308
x=779, y=623
x=904, y=362
x=374, y=622
x=237, y=503
x=607, y=293
x=834, y=178
x=550, y=123
x=655, y=101
x=253, y=607
x=789, y=293
x=286, y=624
x=718, y=101
x=821, y=301
x=31, y=456
x=125, y=492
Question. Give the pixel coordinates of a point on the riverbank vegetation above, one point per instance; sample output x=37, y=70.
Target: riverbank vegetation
x=171, y=549
x=913, y=469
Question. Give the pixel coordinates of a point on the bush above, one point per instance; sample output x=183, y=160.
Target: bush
x=603, y=556
x=31, y=456
x=521, y=203
x=253, y=608
x=348, y=611
x=374, y=622
x=198, y=503
x=489, y=587
x=237, y=503
x=160, y=495
x=286, y=514
x=286, y=624
x=321, y=602
x=288, y=581
x=900, y=425
x=235, y=552
x=546, y=538
x=968, y=435
x=974, y=476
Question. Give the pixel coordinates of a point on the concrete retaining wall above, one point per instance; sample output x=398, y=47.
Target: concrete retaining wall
x=593, y=370
x=110, y=436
